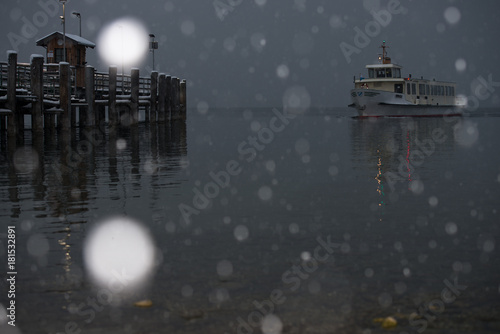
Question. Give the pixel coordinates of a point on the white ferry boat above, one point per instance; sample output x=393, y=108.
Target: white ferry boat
x=385, y=93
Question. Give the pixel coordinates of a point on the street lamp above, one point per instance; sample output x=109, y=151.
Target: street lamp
x=153, y=45
x=80, y=19
x=63, y=19
x=123, y=73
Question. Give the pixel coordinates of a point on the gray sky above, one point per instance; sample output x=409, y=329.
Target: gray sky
x=251, y=55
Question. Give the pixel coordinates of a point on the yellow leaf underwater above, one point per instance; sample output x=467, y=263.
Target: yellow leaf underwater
x=144, y=303
x=389, y=322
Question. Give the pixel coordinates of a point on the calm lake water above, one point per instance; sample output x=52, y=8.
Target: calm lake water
x=328, y=220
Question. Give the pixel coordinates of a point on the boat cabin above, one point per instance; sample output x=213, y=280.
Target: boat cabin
x=381, y=71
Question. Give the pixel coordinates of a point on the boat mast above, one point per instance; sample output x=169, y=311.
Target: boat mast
x=385, y=59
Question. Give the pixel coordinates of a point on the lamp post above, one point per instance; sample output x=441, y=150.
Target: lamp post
x=153, y=45
x=123, y=72
x=63, y=19
x=80, y=19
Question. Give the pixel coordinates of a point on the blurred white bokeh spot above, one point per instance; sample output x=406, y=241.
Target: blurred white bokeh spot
x=119, y=254
x=25, y=160
x=188, y=27
x=241, y=232
x=460, y=65
x=296, y=99
x=202, y=107
x=452, y=15
x=260, y=3
x=5, y=327
x=123, y=42
x=466, y=133
x=265, y=193
x=258, y=41
x=121, y=144
x=282, y=71
x=224, y=268
x=271, y=324
x=38, y=245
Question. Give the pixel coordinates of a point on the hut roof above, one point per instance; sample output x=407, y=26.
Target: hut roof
x=75, y=38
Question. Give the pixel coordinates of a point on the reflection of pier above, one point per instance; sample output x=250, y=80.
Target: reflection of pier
x=61, y=183
x=49, y=93
x=66, y=174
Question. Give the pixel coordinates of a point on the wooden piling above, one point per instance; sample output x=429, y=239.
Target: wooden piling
x=153, y=97
x=175, y=98
x=12, y=120
x=112, y=111
x=37, y=92
x=49, y=121
x=90, y=96
x=73, y=116
x=101, y=115
x=183, y=98
x=64, y=96
x=168, y=99
x=162, y=98
x=134, y=95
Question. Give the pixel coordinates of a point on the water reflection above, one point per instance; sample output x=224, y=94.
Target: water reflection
x=56, y=183
x=401, y=153
x=63, y=171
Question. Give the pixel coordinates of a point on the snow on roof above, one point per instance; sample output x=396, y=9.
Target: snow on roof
x=383, y=65
x=79, y=40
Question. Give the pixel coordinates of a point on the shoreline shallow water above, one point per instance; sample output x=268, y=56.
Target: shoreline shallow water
x=410, y=207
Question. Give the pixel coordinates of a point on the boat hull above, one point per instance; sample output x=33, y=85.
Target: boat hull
x=376, y=103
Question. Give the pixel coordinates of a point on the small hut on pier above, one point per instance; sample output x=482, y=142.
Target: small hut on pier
x=76, y=48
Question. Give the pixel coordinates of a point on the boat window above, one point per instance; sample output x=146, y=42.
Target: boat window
x=413, y=89
x=433, y=90
x=371, y=73
x=388, y=73
x=408, y=88
x=452, y=91
x=442, y=90
x=381, y=73
x=398, y=88
x=396, y=73
x=421, y=89
x=427, y=90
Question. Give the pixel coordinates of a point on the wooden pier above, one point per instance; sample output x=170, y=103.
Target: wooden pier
x=49, y=93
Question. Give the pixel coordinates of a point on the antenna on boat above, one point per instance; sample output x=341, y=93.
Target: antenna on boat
x=384, y=58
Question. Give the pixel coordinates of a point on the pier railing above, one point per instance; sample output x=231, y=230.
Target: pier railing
x=49, y=93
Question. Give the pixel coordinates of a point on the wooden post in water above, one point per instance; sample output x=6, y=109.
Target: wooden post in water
x=168, y=98
x=37, y=92
x=101, y=115
x=73, y=115
x=90, y=96
x=64, y=97
x=162, y=98
x=12, y=121
x=175, y=98
x=112, y=111
x=153, y=97
x=183, y=99
x=134, y=95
